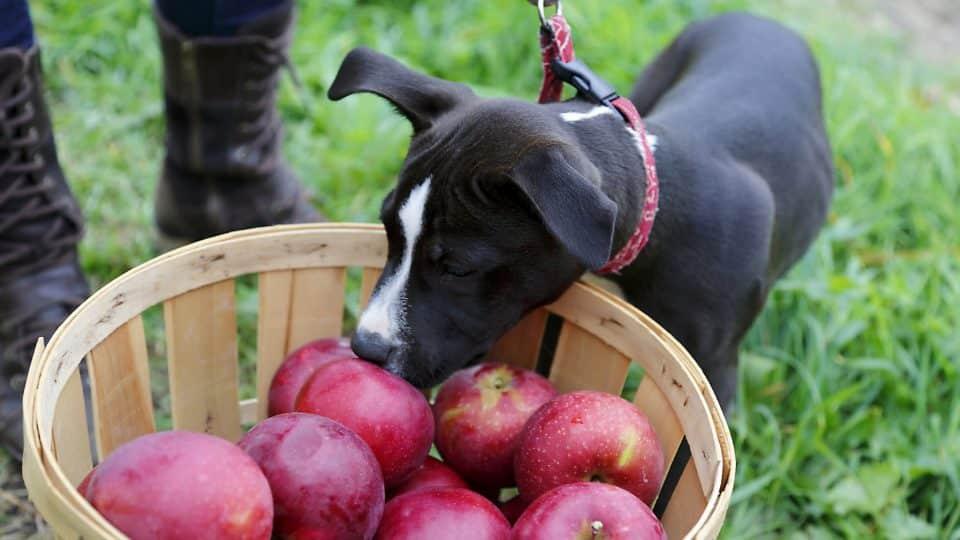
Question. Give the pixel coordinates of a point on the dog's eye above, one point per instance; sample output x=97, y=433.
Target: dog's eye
x=445, y=262
x=455, y=271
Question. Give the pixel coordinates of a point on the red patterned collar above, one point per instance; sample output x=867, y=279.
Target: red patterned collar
x=556, y=47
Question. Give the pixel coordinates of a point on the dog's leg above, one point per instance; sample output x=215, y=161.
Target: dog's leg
x=721, y=371
x=715, y=348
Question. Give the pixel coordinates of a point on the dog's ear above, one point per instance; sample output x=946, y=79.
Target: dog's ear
x=573, y=207
x=419, y=97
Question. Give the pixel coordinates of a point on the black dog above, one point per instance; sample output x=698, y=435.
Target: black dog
x=502, y=204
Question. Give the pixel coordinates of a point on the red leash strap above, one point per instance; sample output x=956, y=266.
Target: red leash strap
x=556, y=42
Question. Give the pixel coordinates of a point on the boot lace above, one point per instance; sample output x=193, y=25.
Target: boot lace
x=26, y=194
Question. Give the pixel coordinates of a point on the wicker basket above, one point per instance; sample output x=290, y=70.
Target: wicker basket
x=301, y=284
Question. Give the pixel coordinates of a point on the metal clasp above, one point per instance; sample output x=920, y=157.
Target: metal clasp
x=541, y=10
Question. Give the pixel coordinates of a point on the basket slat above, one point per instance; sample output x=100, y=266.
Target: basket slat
x=272, y=318
x=686, y=505
x=44, y=498
x=120, y=387
x=296, y=306
x=201, y=332
x=46, y=490
x=521, y=345
x=369, y=281
x=70, y=438
x=250, y=411
x=317, y=305
x=584, y=362
x=655, y=405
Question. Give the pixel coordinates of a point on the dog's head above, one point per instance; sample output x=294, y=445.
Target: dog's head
x=496, y=211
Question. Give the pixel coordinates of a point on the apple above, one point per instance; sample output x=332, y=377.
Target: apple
x=513, y=508
x=589, y=436
x=386, y=412
x=442, y=513
x=299, y=366
x=432, y=474
x=325, y=479
x=179, y=484
x=588, y=510
x=82, y=486
x=480, y=412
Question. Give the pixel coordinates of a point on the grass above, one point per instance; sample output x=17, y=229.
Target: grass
x=848, y=423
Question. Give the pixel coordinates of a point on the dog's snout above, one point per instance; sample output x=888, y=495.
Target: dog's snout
x=371, y=347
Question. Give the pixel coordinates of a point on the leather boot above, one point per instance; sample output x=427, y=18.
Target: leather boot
x=40, y=226
x=223, y=168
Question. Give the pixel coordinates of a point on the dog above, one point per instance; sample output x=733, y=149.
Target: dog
x=502, y=204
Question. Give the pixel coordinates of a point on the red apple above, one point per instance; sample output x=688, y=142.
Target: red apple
x=480, y=412
x=386, y=412
x=513, y=508
x=325, y=479
x=589, y=436
x=178, y=484
x=588, y=510
x=299, y=366
x=442, y=513
x=432, y=474
x=82, y=487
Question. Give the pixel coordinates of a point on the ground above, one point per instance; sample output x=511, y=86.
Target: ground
x=847, y=423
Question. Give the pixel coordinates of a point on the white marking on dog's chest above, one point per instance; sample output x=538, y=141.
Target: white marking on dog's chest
x=592, y=113
x=385, y=316
x=651, y=140
x=571, y=117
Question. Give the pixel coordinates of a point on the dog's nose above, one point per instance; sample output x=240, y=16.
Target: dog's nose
x=371, y=347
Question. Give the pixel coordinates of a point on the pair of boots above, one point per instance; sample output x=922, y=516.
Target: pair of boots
x=223, y=171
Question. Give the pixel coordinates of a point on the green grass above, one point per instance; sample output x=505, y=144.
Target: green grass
x=848, y=423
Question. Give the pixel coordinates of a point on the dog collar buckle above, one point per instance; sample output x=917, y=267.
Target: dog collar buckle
x=588, y=84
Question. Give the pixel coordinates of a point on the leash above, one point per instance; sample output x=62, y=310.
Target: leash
x=560, y=66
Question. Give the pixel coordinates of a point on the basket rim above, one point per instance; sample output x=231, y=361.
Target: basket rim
x=716, y=509
x=717, y=504
x=41, y=465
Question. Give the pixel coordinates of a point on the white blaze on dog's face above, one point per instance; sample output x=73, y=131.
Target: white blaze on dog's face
x=495, y=211
x=384, y=317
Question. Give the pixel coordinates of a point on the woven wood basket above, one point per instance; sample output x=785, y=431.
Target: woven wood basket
x=301, y=286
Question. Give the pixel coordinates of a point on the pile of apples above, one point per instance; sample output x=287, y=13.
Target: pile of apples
x=344, y=455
